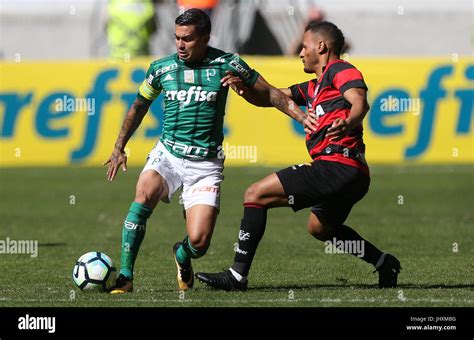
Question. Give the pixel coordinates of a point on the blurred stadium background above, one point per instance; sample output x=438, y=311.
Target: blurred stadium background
x=416, y=57
x=411, y=53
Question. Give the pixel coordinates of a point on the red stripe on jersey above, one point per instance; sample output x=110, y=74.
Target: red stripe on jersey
x=311, y=89
x=328, y=119
x=347, y=142
x=336, y=74
x=338, y=158
x=343, y=77
x=327, y=93
x=302, y=93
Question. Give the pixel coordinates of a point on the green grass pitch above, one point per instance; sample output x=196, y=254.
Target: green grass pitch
x=290, y=268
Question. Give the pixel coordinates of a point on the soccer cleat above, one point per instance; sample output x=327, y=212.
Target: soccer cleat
x=223, y=280
x=388, y=271
x=185, y=275
x=122, y=285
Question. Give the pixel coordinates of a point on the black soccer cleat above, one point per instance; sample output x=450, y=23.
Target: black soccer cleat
x=388, y=272
x=122, y=285
x=223, y=281
x=185, y=276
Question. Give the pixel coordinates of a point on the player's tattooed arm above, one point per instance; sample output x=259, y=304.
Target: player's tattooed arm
x=282, y=102
x=359, y=108
x=131, y=122
x=236, y=84
x=287, y=92
x=265, y=95
x=310, y=122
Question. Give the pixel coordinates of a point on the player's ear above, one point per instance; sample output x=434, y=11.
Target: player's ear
x=207, y=38
x=322, y=47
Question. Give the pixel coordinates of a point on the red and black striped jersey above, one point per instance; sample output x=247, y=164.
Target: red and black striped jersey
x=325, y=97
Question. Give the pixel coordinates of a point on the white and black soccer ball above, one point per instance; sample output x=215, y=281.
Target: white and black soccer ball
x=94, y=271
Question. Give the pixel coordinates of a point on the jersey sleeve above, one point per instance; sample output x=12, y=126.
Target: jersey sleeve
x=151, y=86
x=299, y=93
x=240, y=68
x=348, y=78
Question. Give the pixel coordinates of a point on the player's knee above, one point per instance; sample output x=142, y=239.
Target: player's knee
x=143, y=198
x=148, y=198
x=253, y=193
x=199, y=244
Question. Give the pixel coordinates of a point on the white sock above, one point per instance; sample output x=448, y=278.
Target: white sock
x=237, y=276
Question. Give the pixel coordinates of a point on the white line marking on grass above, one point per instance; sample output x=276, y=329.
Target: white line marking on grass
x=240, y=301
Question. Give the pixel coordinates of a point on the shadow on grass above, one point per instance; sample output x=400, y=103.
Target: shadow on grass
x=52, y=244
x=358, y=286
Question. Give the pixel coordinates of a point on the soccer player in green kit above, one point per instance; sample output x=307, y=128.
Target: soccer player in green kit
x=187, y=154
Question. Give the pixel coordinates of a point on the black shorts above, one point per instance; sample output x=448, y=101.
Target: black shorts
x=330, y=188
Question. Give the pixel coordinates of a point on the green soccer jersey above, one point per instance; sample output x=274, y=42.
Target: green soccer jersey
x=194, y=100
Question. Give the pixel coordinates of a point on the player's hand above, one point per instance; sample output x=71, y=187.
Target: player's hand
x=310, y=123
x=116, y=159
x=338, y=130
x=234, y=82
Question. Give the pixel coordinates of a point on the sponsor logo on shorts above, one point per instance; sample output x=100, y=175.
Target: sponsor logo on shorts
x=210, y=189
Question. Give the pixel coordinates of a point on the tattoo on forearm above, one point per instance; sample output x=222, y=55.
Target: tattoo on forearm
x=130, y=123
x=283, y=103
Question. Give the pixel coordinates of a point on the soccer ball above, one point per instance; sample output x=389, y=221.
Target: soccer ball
x=94, y=271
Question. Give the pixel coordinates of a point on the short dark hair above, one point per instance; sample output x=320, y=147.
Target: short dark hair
x=196, y=17
x=330, y=31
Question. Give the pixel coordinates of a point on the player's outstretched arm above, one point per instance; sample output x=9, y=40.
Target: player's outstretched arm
x=264, y=94
x=236, y=84
x=253, y=97
x=282, y=102
x=131, y=122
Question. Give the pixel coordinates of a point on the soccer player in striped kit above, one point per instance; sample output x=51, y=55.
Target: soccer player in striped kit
x=334, y=181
